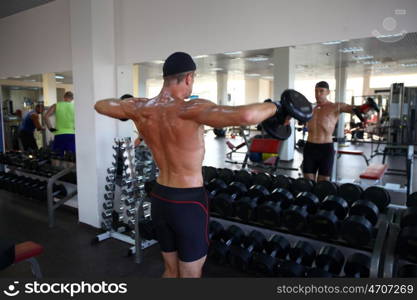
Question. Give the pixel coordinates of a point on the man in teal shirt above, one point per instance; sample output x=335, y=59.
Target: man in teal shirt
x=64, y=129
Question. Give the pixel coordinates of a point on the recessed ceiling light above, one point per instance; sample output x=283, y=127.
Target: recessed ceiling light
x=363, y=57
x=200, y=56
x=333, y=42
x=271, y=64
x=371, y=62
x=351, y=49
x=257, y=58
x=59, y=77
x=382, y=36
x=158, y=62
x=409, y=65
x=381, y=67
x=216, y=69
x=253, y=74
x=233, y=53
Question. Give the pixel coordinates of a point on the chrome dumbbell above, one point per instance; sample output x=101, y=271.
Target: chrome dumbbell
x=105, y=225
x=110, y=178
x=111, y=170
x=108, y=205
x=106, y=214
x=131, y=212
x=109, y=196
x=128, y=201
x=110, y=187
x=131, y=223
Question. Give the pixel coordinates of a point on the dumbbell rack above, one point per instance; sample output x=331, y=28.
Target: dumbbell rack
x=391, y=262
x=376, y=254
x=52, y=205
x=124, y=187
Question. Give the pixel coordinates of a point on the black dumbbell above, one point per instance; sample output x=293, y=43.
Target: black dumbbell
x=219, y=249
x=407, y=243
x=269, y=212
x=282, y=181
x=329, y=262
x=226, y=175
x=379, y=196
x=241, y=256
x=223, y=202
x=296, y=217
x=409, y=217
x=215, y=230
x=358, y=265
x=302, y=255
x=244, y=177
x=301, y=185
x=322, y=189
x=412, y=200
x=245, y=206
x=209, y=173
x=326, y=222
x=215, y=186
x=407, y=271
x=266, y=262
x=358, y=228
x=262, y=179
x=350, y=192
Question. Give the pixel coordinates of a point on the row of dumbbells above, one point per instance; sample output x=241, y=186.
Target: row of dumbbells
x=276, y=256
x=331, y=218
x=29, y=187
x=407, y=238
x=144, y=164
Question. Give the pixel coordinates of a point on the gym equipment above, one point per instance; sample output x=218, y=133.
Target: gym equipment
x=292, y=105
x=241, y=256
x=302, y=255
x=329, y=262
x=223, y=202
x=219, y=249
x=295, y=218
x=409, y=217
x=209, y=173
x=322, y=189
x=358, y=266
x=263, y=179
x=226, y=175
x=215, y=230
x=266, y=262
x=300, y=185
x=269, y=212
x=245, y=206
x=325, y=223
x=407, y=271
x=215, y=186
x=412, y=200
x=407, y=243
x=358, y=228
x=361, y=111
x=282, y=181
x=244, y=177
x=350, y=192
x=378, y=195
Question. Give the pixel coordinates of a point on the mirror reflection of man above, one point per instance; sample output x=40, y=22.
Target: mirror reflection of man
x=30, y=123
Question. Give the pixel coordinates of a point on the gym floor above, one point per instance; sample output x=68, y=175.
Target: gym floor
x=68, y=250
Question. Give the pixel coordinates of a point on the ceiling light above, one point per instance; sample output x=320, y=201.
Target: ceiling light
x=351, y=49
x=371, y=62
x=158, y=62
x=200, y=56
x=257, y=58
x=409, y=65
x=363, y=57
x=271, y=64
x=253, y=74
x=233, y=53
x=382, y=67
x=382, y=36
x=333, y=42
x=268, y=77
x=59, y=77
x=216, y=69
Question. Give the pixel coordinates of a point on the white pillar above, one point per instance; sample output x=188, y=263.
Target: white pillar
x=283, y=71
x=125, y=84
x=222, y=98
x=49, y=88
x=366, y=82
x=140, y=80
x=340, y=96
x=49, y=98
x=94, y=73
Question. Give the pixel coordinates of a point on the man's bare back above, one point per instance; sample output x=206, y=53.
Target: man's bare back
x=177, y=143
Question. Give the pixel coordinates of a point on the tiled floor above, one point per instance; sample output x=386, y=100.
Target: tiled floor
x=69, y=254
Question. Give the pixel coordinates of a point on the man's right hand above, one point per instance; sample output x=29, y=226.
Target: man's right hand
x=52, y=129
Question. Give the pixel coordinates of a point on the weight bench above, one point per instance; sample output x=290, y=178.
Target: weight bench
x=264, y=146
x=374, y=172
x=16, y=253
x=233, y=148
x=353, y=152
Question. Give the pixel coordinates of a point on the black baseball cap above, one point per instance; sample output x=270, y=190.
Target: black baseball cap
x=178, y=62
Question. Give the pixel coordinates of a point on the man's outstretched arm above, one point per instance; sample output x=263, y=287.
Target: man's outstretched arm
x=217, y=116
x=116, y=108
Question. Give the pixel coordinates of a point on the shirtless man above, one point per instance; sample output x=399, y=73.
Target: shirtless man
x=318, y=151
x=173, y=129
